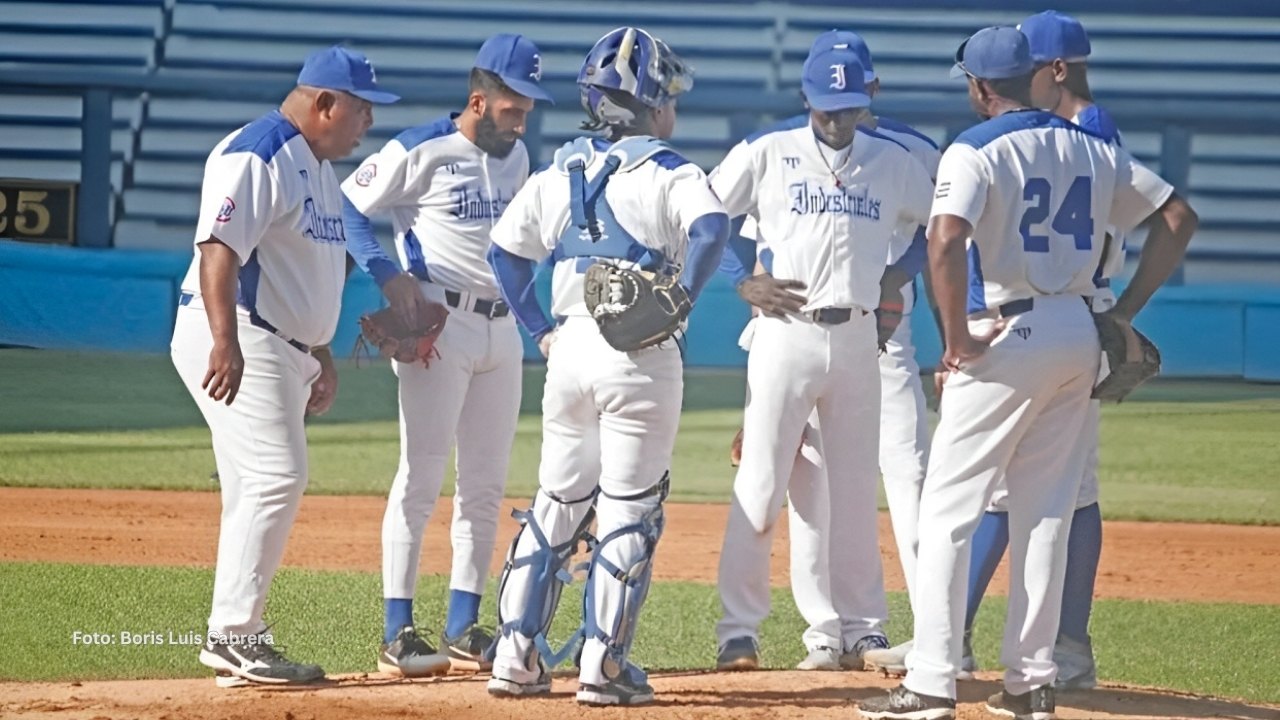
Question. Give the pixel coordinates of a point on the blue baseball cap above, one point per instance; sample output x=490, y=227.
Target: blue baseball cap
x=516, y=60
x=834, y=79
x=339, y=68
x=994, y=53
x=1055, y=36
x=851, y=40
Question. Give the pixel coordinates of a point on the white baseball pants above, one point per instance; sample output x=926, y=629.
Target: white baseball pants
x=260, y=446
x=1018, y=411
x=470, y=396
x=797, y=367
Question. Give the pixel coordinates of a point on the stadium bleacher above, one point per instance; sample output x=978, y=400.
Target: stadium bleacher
x=186, y=72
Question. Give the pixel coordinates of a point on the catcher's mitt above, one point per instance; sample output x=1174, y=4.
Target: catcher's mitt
x=634, y=308
x=396, y=340
x=1130, y=356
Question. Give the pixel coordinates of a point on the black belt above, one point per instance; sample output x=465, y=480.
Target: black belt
x=1013, y=308
x=256, y=320
x=832, y=315
x=489, y=308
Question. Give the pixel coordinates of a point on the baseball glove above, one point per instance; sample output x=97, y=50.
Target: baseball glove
x=634, y=308
x=396, y=340
x=1130, y=356
x=735, y=449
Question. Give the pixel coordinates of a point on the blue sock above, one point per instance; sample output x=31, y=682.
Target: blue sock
x=1084, y=547
x=464, y=610
x=989, y=542
x=399, y=612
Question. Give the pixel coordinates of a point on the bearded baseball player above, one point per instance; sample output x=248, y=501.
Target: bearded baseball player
x=622, y=217
x=1060, y=48
x=444, y=185
x=258, y=308
x=827, y=203
x=1018, y=226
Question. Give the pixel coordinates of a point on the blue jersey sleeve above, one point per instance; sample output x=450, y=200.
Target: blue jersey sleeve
x=917, y=254
x=708, y=236
x=363, y=247
x=515, y=276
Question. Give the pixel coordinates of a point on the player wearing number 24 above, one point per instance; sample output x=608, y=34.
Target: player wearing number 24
x=1016, y=233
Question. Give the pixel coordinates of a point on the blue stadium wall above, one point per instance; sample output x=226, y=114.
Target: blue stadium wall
x=122, y=300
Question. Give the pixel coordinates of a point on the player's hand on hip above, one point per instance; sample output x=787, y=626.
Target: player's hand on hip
x=968, y=348
x=226, y=368
x=325, y=388
x=772, y=295
x=545, y=342
x=404, y=294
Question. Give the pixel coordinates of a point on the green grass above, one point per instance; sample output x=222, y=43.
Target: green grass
x=1182, y=451
x=334, y=618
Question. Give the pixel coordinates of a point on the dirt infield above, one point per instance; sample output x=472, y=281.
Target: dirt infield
x=1140, y=560
x=1159, y=561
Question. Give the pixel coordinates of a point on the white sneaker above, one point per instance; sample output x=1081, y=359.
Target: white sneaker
x=820, y=658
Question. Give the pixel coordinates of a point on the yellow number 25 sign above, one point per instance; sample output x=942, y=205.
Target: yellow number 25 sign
x=37, y=210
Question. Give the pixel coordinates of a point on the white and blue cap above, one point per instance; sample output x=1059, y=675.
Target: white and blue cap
x=516, y=60
x=847, y=39
x=994, y=53
x=834, y=79
x=1054, y=36
x=339, y=68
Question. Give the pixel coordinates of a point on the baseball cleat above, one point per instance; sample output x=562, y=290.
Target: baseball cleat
x=466, y=651
x=408, y=655
x=891, y=662
x=514, y=680
x=902, y=704
x=1038, y=704
x=224, y=679
x=631, y=687
x=855, y=659
x=821, y=658
x=257, y=662
x=740, y=653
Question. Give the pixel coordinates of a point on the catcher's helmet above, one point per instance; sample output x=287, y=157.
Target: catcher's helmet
x=633, y=61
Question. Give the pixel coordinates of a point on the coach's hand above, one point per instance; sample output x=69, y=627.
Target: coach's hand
x=545, y=342
x=772, y=295
x=325, y=388
x=226, y=368
x=404, y=294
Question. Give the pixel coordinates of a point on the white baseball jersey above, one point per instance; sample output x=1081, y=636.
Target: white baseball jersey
x=444, y=195
x=827, y=214
x=1047, y=238
x=655, y=201
x=268, y=198
x=922, y=148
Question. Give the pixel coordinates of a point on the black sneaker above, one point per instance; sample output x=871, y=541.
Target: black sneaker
x=902, y=704
x=252, y=658
x=1038, y=704
x=630, y=687
x=408, y=655
x=466, y=652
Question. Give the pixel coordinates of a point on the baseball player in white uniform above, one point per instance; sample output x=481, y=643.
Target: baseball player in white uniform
x=904, y=432
x=445, y=184
x=1060, y=47
x=609, y=417
x=257, y=310
x=827, y=203
x=1011, y=271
